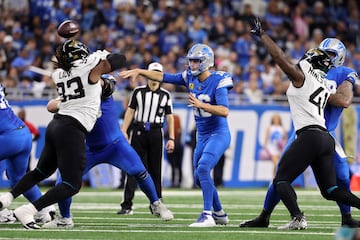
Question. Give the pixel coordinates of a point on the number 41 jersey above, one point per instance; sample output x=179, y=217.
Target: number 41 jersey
x=80, y=98
x=307, y=103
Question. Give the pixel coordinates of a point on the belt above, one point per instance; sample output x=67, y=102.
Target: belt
x=18, y=128
x=313, y=128
x=147, y=126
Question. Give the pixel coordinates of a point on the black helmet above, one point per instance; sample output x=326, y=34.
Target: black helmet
x=319, y=59
x=74, y=50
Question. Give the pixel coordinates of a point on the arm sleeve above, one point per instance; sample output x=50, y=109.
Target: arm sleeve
x=174, y=79
x=221, y=97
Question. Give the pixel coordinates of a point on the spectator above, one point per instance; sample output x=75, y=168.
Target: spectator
x=10, y=53
x=252, y=92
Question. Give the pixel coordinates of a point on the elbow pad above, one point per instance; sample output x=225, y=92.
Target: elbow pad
x=116, y=60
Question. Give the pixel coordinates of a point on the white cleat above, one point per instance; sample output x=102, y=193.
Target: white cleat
x=297, y=223
x=159, y=209
x=205, y=220
x=7, y=216
x=5, y=200
x=25, y=214
x=45, y=215
x=59, y=222
x=221, y=219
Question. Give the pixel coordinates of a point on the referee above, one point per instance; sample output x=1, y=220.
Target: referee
x=148, y=106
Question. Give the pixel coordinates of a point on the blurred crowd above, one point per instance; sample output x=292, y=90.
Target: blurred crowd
x=163, y=30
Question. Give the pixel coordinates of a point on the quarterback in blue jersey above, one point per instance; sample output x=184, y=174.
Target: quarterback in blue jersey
x=209, y=99
x=107, y=144
x=343, y=78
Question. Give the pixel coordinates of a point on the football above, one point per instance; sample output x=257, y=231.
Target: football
x=68, y=29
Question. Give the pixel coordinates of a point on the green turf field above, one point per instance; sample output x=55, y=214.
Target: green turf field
x=94, y=214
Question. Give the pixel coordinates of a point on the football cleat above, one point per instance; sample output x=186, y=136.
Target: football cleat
x=25, y=214
x=124, y=211
x=220, y=219
x=5, y=200
x=59, y=222
x=297, y=223
x=159, y=209
x=7, y=216
x=259, y=222
x=205, y=220
x=348, y=221
x=45, y=215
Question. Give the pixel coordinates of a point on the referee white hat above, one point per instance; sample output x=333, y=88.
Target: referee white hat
x=155, y=66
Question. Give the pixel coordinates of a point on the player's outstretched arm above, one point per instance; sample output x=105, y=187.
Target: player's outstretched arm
x=277, y=54
x=133, y=73
x=113, y=61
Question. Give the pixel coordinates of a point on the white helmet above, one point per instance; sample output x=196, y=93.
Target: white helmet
x=203, y=53
x=336, y=47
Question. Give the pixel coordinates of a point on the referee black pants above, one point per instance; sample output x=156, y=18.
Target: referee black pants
x=149, y=145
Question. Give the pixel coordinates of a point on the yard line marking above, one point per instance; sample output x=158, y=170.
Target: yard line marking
x=175, y=231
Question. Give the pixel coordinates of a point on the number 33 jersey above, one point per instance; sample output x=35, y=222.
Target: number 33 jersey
x=307, y=103
x=80, y=98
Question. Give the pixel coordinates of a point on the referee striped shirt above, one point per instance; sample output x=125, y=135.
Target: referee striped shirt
x=150, y=106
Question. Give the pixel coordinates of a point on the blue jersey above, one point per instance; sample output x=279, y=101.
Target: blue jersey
x=336, y=76
x=8, y=119
x=213, y=91
x=106, y=129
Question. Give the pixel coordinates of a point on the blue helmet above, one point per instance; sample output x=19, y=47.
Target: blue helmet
x=336, y=47
x=204, y=54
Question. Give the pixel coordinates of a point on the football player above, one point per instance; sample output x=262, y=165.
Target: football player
x=209, y=99
x=77, y=78
x=344, y=79
x=106, y=144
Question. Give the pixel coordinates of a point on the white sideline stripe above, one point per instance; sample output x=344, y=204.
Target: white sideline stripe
x=228, y=192
x=176, y=231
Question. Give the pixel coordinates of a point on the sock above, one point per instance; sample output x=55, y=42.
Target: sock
x=220, y=213
x=207, y=212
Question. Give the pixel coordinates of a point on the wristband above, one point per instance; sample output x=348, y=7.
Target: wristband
x=173, y=139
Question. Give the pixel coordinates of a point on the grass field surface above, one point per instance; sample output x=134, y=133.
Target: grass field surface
x=94, y=215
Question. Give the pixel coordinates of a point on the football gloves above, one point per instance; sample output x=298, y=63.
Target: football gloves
x=257, y=28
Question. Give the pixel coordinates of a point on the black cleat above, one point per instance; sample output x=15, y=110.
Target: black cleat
x=351, y=223
x=258, y=222
x=124, y=211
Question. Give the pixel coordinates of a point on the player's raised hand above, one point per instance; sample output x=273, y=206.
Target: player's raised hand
x=257, y=28
x=132, y=74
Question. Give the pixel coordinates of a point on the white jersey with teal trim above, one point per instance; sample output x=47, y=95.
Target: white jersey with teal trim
x=80, y=98
x=307, y=103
